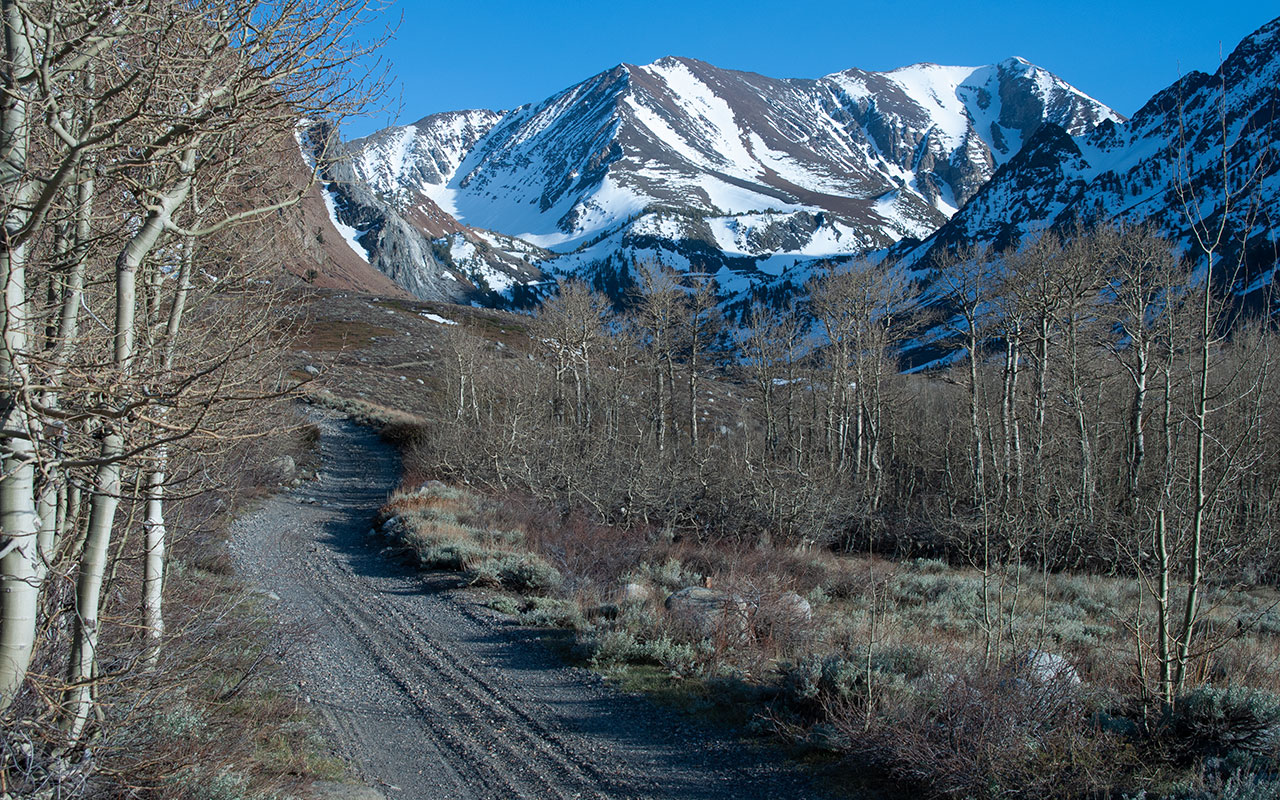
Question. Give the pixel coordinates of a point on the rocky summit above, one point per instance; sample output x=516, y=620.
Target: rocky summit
x=1200, y=162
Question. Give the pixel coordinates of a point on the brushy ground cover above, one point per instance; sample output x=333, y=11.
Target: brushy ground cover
x=894, y=670
x=221, y=719
x=902, y=683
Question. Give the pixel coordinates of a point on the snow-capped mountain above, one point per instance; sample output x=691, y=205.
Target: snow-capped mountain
x=1164, y=167
x=714, y=169
x=396, y=161
x=402, y=233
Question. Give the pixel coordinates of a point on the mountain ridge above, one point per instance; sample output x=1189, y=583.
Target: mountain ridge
x=1146, y=171
x=718, y=170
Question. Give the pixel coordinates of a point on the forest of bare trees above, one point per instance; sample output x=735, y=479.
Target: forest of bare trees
x=1099, y=407
x=140, y=144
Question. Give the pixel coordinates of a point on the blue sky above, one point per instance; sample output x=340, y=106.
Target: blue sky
x=499, y=54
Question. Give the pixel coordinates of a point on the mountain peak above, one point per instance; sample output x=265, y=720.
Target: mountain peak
x=698, y=165
x=1127, y=172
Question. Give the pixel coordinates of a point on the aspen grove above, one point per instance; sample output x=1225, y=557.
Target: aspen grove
x=140, y=144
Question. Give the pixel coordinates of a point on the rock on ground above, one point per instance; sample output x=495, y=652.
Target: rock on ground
x=708, y=611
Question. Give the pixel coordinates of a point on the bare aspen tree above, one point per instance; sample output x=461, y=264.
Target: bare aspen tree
x=771, y=346
x=120, y=112
x=1143, y=285
x=42, y=57
x=570, y=326
x=858, y=308
x=1211, y=232
x=699, y=325
x=965, y=282
x=656, y=318
x=17, y=451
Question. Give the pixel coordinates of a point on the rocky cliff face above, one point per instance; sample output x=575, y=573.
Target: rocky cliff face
x=404, y=235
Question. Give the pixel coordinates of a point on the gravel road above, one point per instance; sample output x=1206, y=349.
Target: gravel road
x=429, y=696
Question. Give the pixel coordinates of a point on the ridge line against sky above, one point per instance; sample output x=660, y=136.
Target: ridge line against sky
x=499, y=54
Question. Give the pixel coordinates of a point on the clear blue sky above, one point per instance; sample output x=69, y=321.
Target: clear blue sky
x=499, y=54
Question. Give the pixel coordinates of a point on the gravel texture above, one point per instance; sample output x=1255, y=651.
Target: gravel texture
x=429, y=695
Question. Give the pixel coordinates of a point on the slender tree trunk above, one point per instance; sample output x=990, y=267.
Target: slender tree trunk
x=155, y=530
x=20, y=566
x=1164, y=566
x=154, y=560
x=1138, y=445
x=1200, y=486
x=93, y=564
x=693, y=399
x=106, y=497
x=975, y=427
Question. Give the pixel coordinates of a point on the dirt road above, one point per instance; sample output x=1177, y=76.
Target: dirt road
x=428, y=697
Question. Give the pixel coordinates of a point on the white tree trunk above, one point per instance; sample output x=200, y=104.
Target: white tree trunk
x=153, y=563
x=78, y=701
x=154, y=525
x=20, y=566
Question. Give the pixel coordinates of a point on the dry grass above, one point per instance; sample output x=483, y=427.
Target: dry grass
x=438, y=526
x=330, y=335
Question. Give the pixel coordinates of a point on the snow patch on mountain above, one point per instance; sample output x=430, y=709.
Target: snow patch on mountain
x=1203, y=152
x=349, y=234
x=935, y=87
x=708, y=116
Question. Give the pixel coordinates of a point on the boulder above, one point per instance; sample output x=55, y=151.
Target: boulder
x=708, y=612
x=793, y=608
x=311, y=369
x=282, y=469
x=634, y=593
x=1047, y=669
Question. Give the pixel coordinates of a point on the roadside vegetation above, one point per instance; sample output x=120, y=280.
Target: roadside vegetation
x=1042, y=571
x=223, y=720
x=863, y=661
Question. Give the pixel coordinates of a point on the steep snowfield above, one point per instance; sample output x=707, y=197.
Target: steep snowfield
x=349, y=234
x=396, y=161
